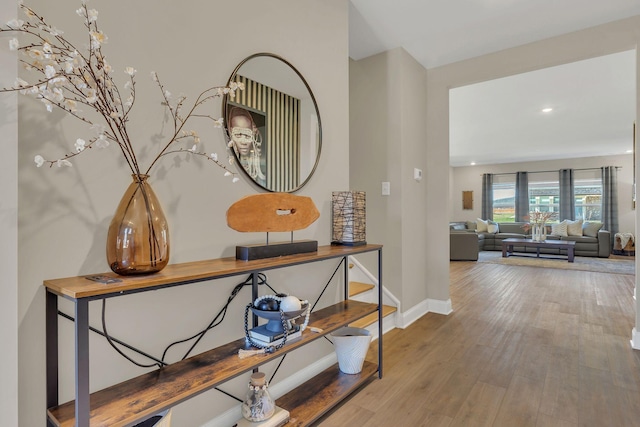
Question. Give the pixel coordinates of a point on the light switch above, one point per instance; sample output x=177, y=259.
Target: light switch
x=386, y=188
x=417, y=174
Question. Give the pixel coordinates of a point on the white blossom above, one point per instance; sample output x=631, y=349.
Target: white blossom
x=63, y=162
x=214, y=157
x=218, y=123
x=93, y=15
x=98, y=129
x=115, y=115
x=46, y=48
x=129, y=102
x=80, y=144
x=127, y=85
x=167, y=94
x=57, y=95
x=71, y=105
x=49, y=71
x=154, y=76
x=102, y=141
x=130, y=71
x=227, y=173
x=39, y=160
x=15, y=24
x=14, y=44
x=193, y=149
x=21, y=83
x=235, y=179
x=91, y=96
x=36, y=54
x=98, y=38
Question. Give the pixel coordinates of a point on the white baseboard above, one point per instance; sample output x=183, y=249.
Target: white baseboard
x=422, y=308
x=635, y=339
x=232, y=416
x=440, y=306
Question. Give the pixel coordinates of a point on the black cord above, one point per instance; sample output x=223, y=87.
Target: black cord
x=212, y=324
x=110, y=341
x=122, y=343
x=262, y=280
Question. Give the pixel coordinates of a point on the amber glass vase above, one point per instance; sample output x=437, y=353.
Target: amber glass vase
x=138, y=237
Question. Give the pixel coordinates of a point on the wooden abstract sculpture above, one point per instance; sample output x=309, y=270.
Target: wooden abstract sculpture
x=273, y=212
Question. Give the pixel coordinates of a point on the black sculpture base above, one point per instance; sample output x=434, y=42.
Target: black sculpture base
x=337, y=243
x=272, y=250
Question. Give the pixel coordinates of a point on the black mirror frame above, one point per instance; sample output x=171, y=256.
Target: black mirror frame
x=225, y=112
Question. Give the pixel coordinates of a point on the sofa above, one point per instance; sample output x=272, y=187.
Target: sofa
x=594, y=241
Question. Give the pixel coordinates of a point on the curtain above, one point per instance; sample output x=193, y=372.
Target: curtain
x=487, y=196
x=567, y=199
x=610, y=200
x=522, y=196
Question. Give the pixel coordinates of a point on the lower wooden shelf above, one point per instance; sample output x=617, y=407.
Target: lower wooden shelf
x=146, y=395
x=311, y=400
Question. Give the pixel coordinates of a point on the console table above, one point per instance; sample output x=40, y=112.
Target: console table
x=508, y=244
x=138, y=398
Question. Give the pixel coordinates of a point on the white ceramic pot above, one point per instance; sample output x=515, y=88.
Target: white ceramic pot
x=351, y=345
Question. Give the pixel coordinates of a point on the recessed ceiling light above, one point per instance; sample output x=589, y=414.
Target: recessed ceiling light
x=547, y=110
x=473, y=163
x=629, y=151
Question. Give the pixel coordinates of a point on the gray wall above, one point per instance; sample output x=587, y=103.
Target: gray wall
x=9, y=228
x=387, y=141
x=64, y=213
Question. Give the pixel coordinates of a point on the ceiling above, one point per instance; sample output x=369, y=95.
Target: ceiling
x=593, y=100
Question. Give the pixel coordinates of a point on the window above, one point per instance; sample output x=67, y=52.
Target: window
x=588, y=199
x=504, y=198
x=544, y=196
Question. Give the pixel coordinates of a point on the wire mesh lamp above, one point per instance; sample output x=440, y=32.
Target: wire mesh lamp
x=348, y=218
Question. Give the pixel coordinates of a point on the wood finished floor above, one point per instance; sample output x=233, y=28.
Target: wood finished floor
x=524, y=347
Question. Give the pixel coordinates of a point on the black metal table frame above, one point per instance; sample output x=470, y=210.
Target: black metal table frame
x=81, y=331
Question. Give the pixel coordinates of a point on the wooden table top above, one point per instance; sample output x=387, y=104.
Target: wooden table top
x=530, y=242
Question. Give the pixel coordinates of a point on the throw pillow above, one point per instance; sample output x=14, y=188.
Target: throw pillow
x=574, y=228
x=492, y=227
x=559, y=229
x=590, y=229
x=481, y=225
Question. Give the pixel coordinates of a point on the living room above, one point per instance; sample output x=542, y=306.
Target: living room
x=497, y=129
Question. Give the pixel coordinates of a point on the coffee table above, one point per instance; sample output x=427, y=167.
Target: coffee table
x=508, y=244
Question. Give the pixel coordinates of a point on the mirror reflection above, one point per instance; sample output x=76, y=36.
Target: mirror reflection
x=273, y=126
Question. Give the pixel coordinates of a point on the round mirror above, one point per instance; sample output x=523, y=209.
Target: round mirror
x=273, y=126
